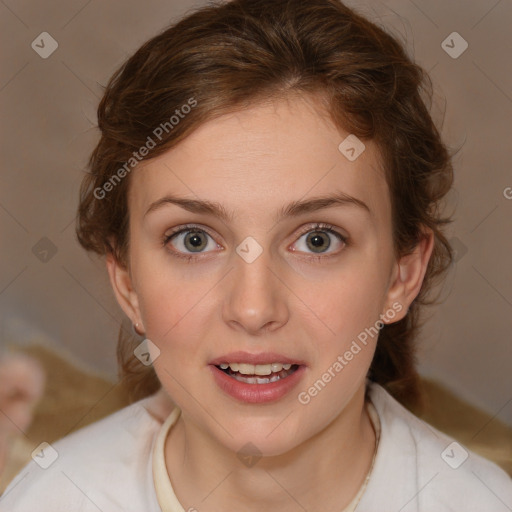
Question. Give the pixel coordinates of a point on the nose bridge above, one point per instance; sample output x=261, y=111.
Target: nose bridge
x=255, y=297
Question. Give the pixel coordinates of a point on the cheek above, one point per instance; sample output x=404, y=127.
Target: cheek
x=167, y=292
x=344, y=345
x=170, y=314
x=343, y=304
x=174, y=308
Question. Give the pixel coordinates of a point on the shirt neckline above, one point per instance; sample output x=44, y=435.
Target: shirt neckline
x=164, y=492
x=166, y=497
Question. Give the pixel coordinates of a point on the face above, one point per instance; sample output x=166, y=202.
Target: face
x=254, y=268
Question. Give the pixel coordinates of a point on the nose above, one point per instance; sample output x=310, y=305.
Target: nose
x=255, y=296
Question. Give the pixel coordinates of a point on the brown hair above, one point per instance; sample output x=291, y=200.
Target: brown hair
x=227, y=56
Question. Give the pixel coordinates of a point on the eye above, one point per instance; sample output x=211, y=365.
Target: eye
x=189, y=240
x=319, y=239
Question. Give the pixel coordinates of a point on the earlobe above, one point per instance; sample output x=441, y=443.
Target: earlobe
x=121, y=282
x=408, y=275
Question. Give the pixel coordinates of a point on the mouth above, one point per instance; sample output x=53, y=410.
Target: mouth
x=256, y=378
x=259, y=373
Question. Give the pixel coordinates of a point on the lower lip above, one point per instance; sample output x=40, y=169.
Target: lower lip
x=257, y=393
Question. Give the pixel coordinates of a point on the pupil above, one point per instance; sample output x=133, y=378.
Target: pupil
x=316, y=239
x=194, y=240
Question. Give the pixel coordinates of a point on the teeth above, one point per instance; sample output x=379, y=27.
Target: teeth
x=245, y=369
x=262, y=369
x=255, y=369
x=256, y=380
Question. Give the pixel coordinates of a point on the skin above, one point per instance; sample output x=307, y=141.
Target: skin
x=253, y=162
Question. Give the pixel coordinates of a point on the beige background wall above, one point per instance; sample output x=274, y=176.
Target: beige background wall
x=48, y=115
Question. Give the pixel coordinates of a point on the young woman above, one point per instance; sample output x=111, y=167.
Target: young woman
x=267, y=193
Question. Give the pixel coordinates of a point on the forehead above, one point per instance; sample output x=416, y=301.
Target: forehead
x=255, y=160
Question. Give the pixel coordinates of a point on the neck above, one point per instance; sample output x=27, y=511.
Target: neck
x=325, y=472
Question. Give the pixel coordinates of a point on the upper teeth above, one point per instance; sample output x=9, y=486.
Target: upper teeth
x=255, y=369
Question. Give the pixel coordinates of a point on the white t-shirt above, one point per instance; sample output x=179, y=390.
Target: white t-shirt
x=117, y=465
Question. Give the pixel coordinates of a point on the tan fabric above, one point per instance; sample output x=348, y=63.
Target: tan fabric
x=18, y=453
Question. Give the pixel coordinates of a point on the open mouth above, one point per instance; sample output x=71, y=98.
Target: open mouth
x=258, y=374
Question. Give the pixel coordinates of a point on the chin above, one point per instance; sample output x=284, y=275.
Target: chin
x=258, y=438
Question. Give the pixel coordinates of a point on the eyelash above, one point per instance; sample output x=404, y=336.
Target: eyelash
x=328, y=228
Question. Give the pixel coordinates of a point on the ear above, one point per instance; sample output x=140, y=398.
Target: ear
x=121, y=282
x=407, y=277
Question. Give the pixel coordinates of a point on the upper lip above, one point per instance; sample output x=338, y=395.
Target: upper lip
x=260, y=358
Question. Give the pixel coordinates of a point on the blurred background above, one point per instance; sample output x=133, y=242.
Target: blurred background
x=55, y=300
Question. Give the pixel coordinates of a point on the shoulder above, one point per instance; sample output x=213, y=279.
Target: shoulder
x=421, y=469
x=105, y=465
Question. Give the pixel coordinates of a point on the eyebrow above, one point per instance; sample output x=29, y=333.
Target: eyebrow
x=294, y=209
